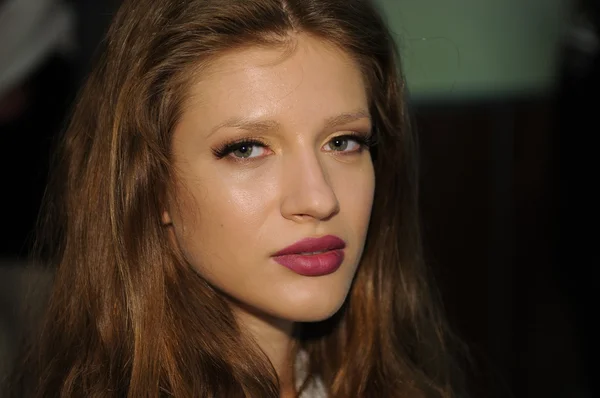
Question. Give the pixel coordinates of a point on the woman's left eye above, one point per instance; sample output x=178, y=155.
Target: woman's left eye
x=345, y=143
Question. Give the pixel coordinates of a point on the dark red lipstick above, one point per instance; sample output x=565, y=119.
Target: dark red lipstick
x=313, y=256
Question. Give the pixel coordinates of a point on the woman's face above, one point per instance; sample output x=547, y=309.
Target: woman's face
x=269, y=152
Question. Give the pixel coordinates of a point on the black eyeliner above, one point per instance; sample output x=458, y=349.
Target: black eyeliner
x=228, y=147
x=222, y=150
x=364, y=140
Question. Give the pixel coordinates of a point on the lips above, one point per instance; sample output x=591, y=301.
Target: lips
x=313, y=256
x=313, y=245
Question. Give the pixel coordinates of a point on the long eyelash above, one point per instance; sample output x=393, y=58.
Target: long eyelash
x=230, y=146
x=365, y=140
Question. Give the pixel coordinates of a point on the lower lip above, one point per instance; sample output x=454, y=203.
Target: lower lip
x=312, y=265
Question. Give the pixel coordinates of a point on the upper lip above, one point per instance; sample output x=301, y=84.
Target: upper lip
x=312, y=245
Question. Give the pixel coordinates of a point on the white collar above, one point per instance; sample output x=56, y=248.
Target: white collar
x=315, y=389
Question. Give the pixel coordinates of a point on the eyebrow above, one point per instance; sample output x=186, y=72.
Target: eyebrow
x=264, y=126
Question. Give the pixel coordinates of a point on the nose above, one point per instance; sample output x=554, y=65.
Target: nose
x=308, y=194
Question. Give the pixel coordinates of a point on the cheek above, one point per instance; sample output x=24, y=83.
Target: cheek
x=215, y=217
x=355, y=193
x=240, y=202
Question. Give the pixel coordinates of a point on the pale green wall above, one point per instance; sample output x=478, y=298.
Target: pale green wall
x=473, y=48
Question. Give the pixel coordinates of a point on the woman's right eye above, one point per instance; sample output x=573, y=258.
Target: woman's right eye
x=246, y=150
x=242, y=150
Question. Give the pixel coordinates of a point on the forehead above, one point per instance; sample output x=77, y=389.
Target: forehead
x=311, y=79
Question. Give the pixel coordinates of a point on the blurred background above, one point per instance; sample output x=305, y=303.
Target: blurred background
x=504, y=96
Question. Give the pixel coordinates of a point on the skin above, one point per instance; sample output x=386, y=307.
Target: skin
x=232, y=214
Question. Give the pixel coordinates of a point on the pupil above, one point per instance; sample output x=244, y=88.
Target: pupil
x=340, y=143
x=244, y=151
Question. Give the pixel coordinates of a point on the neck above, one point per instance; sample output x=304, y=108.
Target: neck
x=274, y=337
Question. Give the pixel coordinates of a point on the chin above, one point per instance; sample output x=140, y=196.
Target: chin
x=314, y=307
x=314, y=316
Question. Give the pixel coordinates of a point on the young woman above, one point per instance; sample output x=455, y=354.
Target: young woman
x=235, y=213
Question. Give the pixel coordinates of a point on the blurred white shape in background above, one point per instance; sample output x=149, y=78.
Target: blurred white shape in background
x=30, y=30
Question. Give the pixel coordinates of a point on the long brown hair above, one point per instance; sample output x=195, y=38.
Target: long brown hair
x=128, y=316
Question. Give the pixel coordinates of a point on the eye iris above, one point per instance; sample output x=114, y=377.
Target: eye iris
x=243, y=151
x=339, y=144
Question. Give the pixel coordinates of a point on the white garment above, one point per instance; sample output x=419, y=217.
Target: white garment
x=315, y=389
